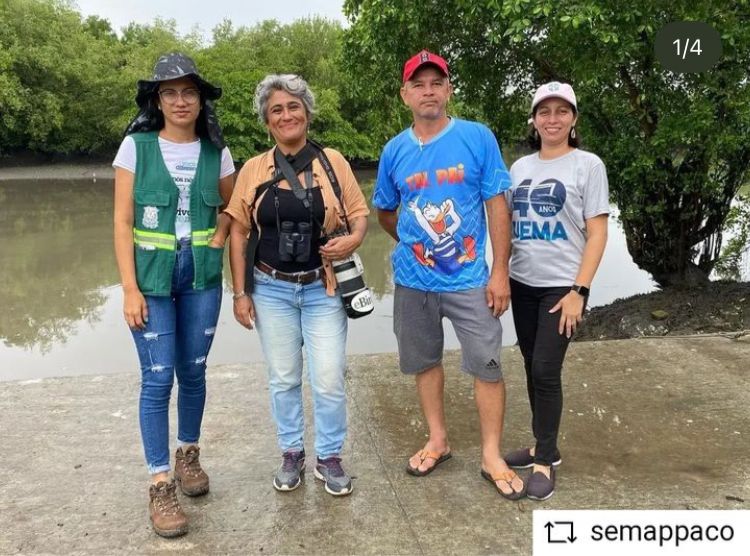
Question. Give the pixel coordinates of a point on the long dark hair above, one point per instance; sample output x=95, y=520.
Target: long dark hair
x=150, y=118
x=535, y=142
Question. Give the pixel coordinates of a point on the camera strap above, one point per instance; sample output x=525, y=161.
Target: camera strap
x=291, y=176
x=311, y=219
x=301, y=161
x=332, y=179
x=303, y=194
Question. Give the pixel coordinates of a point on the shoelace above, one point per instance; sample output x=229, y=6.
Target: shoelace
x=166, y=500
x=333, y=464
x=192, y=463
x=290, y=460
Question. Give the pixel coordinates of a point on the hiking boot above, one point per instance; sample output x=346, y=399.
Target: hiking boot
x=188, y=473
x=336, y=481
x=289, y=475
x=522, y=459
x=167, y=516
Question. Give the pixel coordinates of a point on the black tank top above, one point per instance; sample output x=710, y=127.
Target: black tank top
x=290, y=209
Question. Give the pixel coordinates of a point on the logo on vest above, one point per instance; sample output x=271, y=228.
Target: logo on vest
x=150, y=218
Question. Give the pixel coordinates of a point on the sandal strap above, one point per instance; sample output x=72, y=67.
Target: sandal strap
x=424, y=454
x=506, y=476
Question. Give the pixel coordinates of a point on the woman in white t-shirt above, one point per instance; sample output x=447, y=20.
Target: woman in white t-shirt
x=173, y=175
x=560, y=204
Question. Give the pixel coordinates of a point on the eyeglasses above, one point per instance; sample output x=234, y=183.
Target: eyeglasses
x=170, y=96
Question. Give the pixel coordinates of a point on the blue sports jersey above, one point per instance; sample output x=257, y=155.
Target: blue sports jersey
x=441, y=187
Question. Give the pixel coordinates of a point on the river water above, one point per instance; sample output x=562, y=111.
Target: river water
x=61, y=306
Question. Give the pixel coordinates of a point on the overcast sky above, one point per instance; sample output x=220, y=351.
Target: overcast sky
x=208, y=13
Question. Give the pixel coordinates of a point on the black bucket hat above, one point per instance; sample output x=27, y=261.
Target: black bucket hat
x=174, y=66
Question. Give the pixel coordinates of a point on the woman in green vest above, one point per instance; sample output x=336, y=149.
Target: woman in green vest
x=173, y=175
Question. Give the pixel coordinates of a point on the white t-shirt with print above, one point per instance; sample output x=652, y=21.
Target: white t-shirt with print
x=550, y=202
x=181, y=160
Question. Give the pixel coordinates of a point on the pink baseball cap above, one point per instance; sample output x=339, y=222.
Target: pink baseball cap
x=554, y=89
x=422, y=58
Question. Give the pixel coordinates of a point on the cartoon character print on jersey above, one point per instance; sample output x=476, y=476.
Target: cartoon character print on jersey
x=446, y=253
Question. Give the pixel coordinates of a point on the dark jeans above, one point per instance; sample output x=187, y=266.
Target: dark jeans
x=176, y=341
x=543, y=349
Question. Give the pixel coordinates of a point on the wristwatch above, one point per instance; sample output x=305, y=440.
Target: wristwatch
x=583, y=291
x=239, y=295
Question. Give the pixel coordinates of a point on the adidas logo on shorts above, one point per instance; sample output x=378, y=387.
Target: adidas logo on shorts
x=492, y=365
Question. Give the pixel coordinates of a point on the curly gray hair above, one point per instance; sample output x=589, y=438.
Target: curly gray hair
x=292, y=84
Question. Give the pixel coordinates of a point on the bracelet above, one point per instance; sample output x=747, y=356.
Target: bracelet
x=237, y=296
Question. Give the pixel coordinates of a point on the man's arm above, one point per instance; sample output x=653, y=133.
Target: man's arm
x=388, y=220
x=498, y=222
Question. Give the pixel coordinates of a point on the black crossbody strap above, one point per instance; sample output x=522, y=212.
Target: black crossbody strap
x=328, y=168
x=303, y=159
x=291, y=176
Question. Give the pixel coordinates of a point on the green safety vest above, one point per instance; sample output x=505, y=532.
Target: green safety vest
x=155, y=197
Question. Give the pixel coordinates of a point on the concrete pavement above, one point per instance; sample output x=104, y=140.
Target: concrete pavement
x=648, y=424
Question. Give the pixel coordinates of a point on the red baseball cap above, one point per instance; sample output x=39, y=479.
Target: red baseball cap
x=422, y=58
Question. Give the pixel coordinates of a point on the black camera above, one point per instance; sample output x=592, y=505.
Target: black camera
x=294, y=242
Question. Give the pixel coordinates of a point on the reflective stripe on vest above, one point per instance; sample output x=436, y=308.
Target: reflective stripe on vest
x=154, y=240
x=201, y=237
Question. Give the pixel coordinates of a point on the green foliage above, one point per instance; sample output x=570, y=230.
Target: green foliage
x=676, y=146
x=67, y=84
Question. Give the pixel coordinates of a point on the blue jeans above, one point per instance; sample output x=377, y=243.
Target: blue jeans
x=176, y=340
x=288, y=318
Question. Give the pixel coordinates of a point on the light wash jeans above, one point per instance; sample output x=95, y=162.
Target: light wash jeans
x=176, y=341
x=289, y=317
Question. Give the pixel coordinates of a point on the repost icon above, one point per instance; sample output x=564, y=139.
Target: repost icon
x=560, y=532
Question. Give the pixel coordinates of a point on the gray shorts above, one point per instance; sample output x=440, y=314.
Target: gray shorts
x=417, y=323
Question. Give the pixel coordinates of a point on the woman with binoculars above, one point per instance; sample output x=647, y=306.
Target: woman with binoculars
x=291, y=210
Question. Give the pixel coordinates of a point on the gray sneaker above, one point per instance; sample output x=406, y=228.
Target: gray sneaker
x=336, y=481
x=289, y=475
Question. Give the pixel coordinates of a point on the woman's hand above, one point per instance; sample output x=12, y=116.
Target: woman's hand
x=135, y=309
x=244, y=311
x=571, y=306
x=340, y=247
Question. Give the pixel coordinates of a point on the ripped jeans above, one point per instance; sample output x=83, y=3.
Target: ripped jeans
x=176, y=341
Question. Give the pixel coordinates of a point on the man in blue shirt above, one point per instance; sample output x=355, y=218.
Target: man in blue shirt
x=443, y=172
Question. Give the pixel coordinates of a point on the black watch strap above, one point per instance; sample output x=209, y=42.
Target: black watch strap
x=581, y=290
